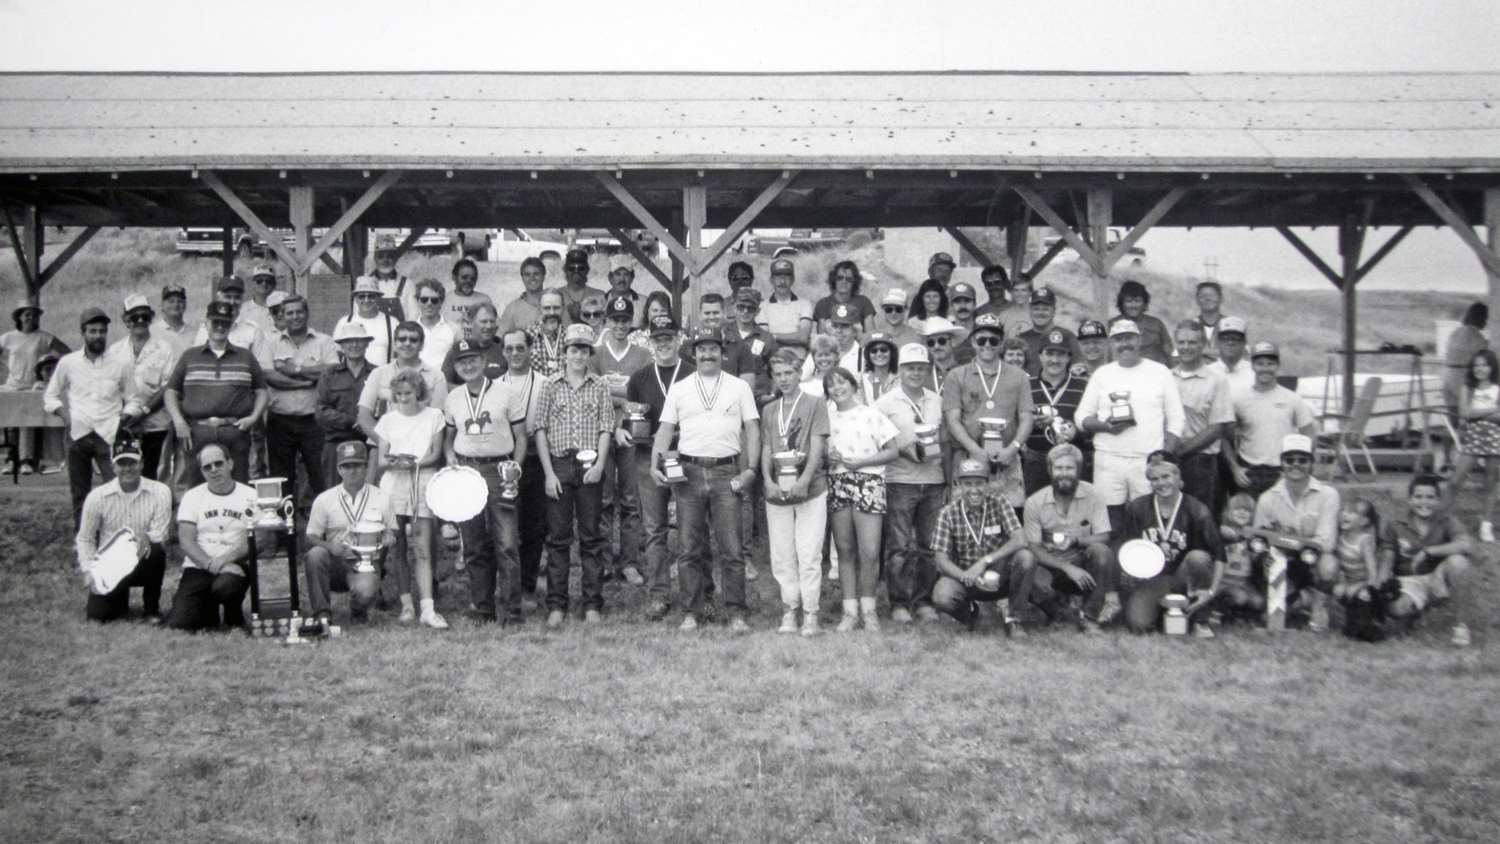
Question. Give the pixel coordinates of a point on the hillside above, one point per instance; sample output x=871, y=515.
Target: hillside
x=1306, y=324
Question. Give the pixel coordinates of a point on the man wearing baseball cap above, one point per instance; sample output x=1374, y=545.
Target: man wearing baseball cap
x=914, y=485
x=1093, y=346
x=576, y=284
x=980, y=551
x=217, y=394
x=130, y=503
x=24, y=349
x=714, y=417
x=150, y=360
x=788, y=318
x=339, y=389
x=735, y=357
x=380, y=325
x=1263, y=416
x=1302, y=506
x=842, y=321
x=1055, y=393
x=1043, y=308
x=893, y=309
x=940, y=266
x=1232, y=362
x=648, y=389
x=170, y=324
x=245, y=333
x=94, y=395
x=756, y=342
x=331, y=563
x=984, y=390
x=617, y=359
x=961, y=312
x=621, y=279
x=257, y=308
x=573, y=424
x=1132, y=408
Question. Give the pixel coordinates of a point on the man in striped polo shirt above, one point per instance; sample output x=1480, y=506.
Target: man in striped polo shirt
x=216, y=394
x=139, y=505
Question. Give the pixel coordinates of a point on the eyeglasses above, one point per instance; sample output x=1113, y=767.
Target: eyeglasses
x=879, y=350
x=591, y=314
x=741, y=279
x=521, y=348
x=1297, y=461
x=934, y=342
x=212, y=465
x=264, y=281
x=894, y=309
x=366, y=297
x=430, y=300
x=986, y=341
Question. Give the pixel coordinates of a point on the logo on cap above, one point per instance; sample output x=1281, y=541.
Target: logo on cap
x=465, y=349
x=973, y=469
x=351, y=452
x=663, y=325
x=781, y=266
x=579, y=335
x=220, y=312
x=1232, y=325
x=941, y=258
x=1124, y=326
x=1265, y=349
x=1056, y=340
x=1043, y=296
x=1091, y=329
x=988, y=322
x=961, y=291
x=621, y=307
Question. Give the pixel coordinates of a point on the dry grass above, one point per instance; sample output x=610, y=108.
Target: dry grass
x=634, y=732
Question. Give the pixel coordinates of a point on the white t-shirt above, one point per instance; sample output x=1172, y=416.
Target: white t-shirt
x=484, y=431
x=377, y=388
x=382, y=327
x=436, y=341
x=221, y=520
x=709, y=416
x=334, y=511
x=860, y=431
x=456, y=308
x=411, y=435
x=1154, y=401
x=1240, y=379
x=784, y=317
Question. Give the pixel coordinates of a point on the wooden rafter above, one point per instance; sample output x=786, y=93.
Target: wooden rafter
x=1044, y=259
x=741, y=223
x=20, y=253
x=67, y=254
x=1384, y=250
x=1456, y=222
x=1312, y=257
x=1151, y=218
x=349, y=218
x=1059, y=225
x=250, y=218
x=629, y=245
x=969, y=246
x=647, y=219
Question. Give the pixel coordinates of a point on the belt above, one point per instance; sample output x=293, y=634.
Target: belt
x=464, y=458
x=707, y=462
x=214, y=422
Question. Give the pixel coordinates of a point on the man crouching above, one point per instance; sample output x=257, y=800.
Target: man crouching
x=213, y=524
x=332, y=563
x=1067, y=529
x=980, y=551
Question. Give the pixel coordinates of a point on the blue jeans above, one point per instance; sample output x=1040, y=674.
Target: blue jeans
x=87, y=454
x=490, y=548
x=622, y=506
x=581, y=501
x=705, y=502
x=911, y=512
x=654, y=498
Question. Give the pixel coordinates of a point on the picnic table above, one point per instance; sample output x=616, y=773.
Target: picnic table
x=20, y=411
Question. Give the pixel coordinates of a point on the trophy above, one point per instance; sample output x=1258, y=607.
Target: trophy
x=364, y=540
x=637, y=423
x=1060, y=540
x=1119, y=408
x=1175, y=622
x=274, y=510
x=510, y=482
x=929, y=445
x=671, y=467
x=586, y=458
x=992, y=436
x=788, y=468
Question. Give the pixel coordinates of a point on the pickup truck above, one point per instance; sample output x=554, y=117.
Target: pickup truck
x=786, y=242
x=1135, y=255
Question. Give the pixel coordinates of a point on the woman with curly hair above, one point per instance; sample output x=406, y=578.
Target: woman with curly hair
x=1156, y=341
x=844, y=281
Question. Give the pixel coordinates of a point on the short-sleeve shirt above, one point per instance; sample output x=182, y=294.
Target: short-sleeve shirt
x=618, y=368
x=1205, y=401
x=786, y=316
x=906, y=415
x=970, y=392
x=22, y=351
x=1401, y=538
x=495, y=364
x=649, y=386
x=316, y=349
x=481, y=424
x=1263, y=418
x=806, y=417
x=1056, y=401
x=1192, y=528
x=334, y=511
x=410, y=435
x=1156, y=341
x=221, y=520
x=456, y=307
x=709, y=417
x=436, y=341
x=859, y=432
x=220, y=385
x=573, y=417
x=381, y=327
x=958, y=525
x=1153, y=399
x=1314, y=516
x=375, y=395
x=1041, y=516
x=151, y=368
x=861, y=304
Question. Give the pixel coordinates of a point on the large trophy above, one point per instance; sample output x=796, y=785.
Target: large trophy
x=637, y=424
x=274, y=509
x=788, y=468
x=364, y=539
x=510, y=482
x=992, y=436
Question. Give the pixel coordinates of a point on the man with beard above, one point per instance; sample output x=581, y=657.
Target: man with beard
x=461, y=301
x=716, y=415
x=93, y=394
x=531, y=505
x=150, y=360
x=649, y=386
x=576, y=284
x=547, y=336
x=438, y=334
x=483, y=335
x=961, y=309
x=938, y=335
x=1043, y=307
x=301, y=356
x=914, y=488
x=1067, y=528
x=1188, y=536
x=1055, y=394
x=1207, y=414
x=980, y=551
x=987, y=389
x=139, y=505
x=217, y=393
x=395, y=294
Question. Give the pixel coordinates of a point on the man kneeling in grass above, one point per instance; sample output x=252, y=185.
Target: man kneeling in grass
x=332, y=563
x=980, y=551
x=1428, y=553
x=212, y=528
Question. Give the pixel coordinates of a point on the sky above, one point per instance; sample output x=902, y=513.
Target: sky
x=784, y=35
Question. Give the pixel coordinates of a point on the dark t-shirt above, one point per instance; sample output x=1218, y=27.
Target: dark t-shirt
x=1401, y=538
x=644, y=388
x=807, y=417
x=1064, y=400
x=823, y=308
x=1193, y=529
x=495, y=364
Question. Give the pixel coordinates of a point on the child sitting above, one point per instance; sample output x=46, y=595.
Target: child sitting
x=1237, y=592
x=1359, y=524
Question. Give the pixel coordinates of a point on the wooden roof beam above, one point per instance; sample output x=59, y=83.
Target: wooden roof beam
x=1059, y=225
x=1312, y=257
x=768, y=194
x=66, y=255
x=250, y=218
x=1151, y=218
x=1457, y=223
x=629, y=245
x=647, y=219
x=969, y=246
x=347, y=219
x=23, y=258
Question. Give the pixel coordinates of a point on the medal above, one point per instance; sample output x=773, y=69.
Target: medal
x=989, y=389
x=1164, y=529
x=656, y=370
x=709, y=398
x=783, y=421
x=963, y=511
x=473, y=425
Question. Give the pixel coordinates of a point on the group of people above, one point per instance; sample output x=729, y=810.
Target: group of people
x=963, y=455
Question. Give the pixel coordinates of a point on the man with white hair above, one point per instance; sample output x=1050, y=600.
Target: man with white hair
x=151, y=360
x=380, y=325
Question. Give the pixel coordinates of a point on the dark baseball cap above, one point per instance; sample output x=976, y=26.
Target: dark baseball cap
x=231, y=282
x=782, y=266
x=1044, y=296
x=465, y=349
x=92, y=315
x=663, y=326
x=1092, y=329
x=1056, y=339
x=988, y=322
x=747, y=296
x=352, y=451
x=961, y=290
x=220, y=312
x=620, y=308
x=576, y=257
x=169, y=289
x=126, y=447
x=708, y=335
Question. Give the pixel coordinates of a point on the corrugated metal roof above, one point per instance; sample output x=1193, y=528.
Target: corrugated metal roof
x=1135, y=122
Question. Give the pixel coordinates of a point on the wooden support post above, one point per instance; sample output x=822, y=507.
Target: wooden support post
x=969, y=246
x=741, y=223
x=1071, y=238
x=679, y=270
x=1351, y=243
x=1151, y=218
x=1492, y=232
x=1455, y=221
x=646, y=218
x=66, y=255
x=226, y=251
x=410, y=241
x=34, y=237
x=19, y=238
x=1100, y=211
x=629, y=245
x=1017, y=232
x=350, y=216
x=694, y=217
x=300, y=200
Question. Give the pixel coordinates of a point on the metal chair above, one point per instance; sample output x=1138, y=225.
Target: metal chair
x=1351, y=429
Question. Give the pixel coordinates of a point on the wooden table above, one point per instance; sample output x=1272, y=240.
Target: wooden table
x=19, y=412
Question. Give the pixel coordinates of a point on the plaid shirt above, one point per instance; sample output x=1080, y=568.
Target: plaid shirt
x=995, y=522
x=546, y=355
x=573, y=418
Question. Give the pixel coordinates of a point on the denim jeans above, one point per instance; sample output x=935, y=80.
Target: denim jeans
x=622, y=507
x=581, y=501
x=654, y=498
x=911, y=512
x=531, y=520
x=490, y=548
x=201, y=595
x=86, y=455
x=147, y=575
x=705, y=502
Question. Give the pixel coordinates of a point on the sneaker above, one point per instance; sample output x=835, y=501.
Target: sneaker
x=1202, y=631
x=689, y=622
x=738, y=625
x=1087, y=625
x=529, y=604
x=810, y=625
x=901, y=615
x=1461, y=637
x=450, y=532
x=555, y=618
x=407, y=616
x=872, y=622
x=1318, y=621
x=53, y=469
x=1486, y=532
x=927, y=613
x=788, y=622
x=1111, y=609
x=633, y=576
x=26, y=469
x=433, y=620
x=658, y=610
x=750, y=573
x=848, y=624
x=1013, y=629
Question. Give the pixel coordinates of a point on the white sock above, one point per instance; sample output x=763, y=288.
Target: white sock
x=851, y=607
x=406, y=601
x=426, y=604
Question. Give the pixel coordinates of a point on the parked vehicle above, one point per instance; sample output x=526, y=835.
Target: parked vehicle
x=515, y=245
x=208, y=240
x=785, y=242
x=1135, y=255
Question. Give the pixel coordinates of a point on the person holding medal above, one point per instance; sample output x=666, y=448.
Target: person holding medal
x=914, y=486
x=409, y=443
x=332, y=564
x=980, y=551
x=547, y=336
x=1055, y=393
x=1184, y=529
x=794, y=438
x=988, y=410
x=615, y=360
x=486, y=429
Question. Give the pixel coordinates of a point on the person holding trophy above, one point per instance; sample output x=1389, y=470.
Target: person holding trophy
x=133, y=506
x=988, y=409
x=794, y=437
x=409, y=439
x=348, y=528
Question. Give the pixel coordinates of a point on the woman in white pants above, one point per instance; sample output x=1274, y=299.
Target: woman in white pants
x=795, y=427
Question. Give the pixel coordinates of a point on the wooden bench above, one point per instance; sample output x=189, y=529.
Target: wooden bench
x=21, y=411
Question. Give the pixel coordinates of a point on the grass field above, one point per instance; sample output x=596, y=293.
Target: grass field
x=636, y=732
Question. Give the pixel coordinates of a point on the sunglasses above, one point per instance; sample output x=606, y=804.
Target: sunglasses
x=264, y=281
x=1297, y=461
x=894, y=309
x=138, y=319
x=430, y=300
x=365, y=297
x=212, y=465
x=591, y=314
x=742, y=279
x=879, y=350
x=986, y=341
x=934, y=342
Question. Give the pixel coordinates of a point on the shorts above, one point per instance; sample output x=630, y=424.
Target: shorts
x=405, y=498
x=1481, y=439
x=1425, y=589
x=861, y=490
x=1119, y=478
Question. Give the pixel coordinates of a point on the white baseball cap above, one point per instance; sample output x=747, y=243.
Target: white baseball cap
x=938, y=325
x=351, y=330
x=913, y=353
x=894, y=296
x=1294, y=443
x=1124, y=326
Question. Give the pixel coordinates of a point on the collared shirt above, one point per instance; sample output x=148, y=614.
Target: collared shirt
x=1205, y=401
x=1153, y=398
x=785, y=316
x=523, y=313
x=210, y=385
x=573, y=417
x=107, y=509
x=221, y=520
x=968, y=390
x=315, y=349
x=546, y=354
x=375, y=395
x=436, y=341
x=22, y=351
x=397, y=296
x=96, y=391
x=530, y=386
x=1210, y=337
x=330, y=516
x=710, y=415
x=180, y=338
x=150, y=369
x=1263, y=418
x=907, y=415
x=338, y=402
x=966, y=533
x=1034, y=338
x=1402, y=540
x=253, y=311
x=1241, y=377
x=246, y=334
x=1313, y=516
x=1042, y=516
x=382, y=327
x=482, y=424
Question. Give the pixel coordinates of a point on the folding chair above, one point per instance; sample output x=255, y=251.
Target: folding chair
x=1351, y=428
